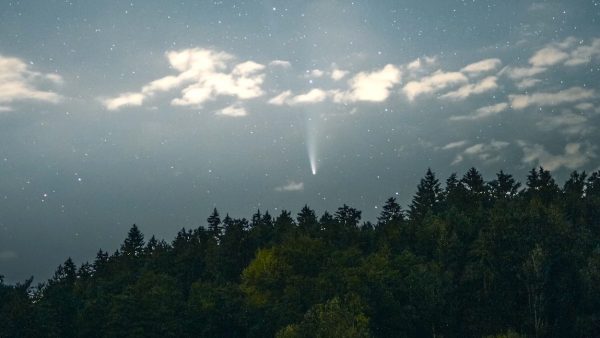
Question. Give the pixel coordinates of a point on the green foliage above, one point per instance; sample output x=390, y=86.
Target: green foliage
x=335, y=318
x=471, y=259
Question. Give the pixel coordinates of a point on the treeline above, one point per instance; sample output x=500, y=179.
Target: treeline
x=466, y=259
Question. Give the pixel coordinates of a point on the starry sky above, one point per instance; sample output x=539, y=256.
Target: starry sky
x=154, y=112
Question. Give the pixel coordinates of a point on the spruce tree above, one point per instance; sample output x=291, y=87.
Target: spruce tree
x=134, y=243
x=426, y=198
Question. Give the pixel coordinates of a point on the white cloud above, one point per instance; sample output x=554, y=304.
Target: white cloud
x=527, y=83
x=482, y=66
x=5, y=109
x=338, y=74
x=197, y=59
x=517, y=73
x=419, y=63
x=487, y=84
x=162, y=85
x=486, y=152
x=548, y=56
x=414, y=65
x=550, y=99
x=482, y=112
x=280, y=63
x=247, y=68
x=584, y=54
x=19, y=83
x=235, y=110
x=435, y=82
x=584, y=106
x=281, y=98
x=126, y=99
x=453, y=145
x=291, y=186
x=313, y=96
x=575, y=155
x=567, y=123
x=204, y=74
x=316, y=73
x=374, y=86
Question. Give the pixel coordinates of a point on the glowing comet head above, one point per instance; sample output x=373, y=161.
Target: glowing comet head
x=313, y=166
x=311, y=147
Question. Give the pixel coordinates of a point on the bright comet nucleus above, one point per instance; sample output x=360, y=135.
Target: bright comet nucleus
x=311, y=144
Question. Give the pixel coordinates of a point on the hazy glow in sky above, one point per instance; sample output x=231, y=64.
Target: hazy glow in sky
x=148, y=112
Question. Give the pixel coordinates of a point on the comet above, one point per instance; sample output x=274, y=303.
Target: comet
x=311, y=144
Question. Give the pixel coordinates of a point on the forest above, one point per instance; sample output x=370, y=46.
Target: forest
x=466, y=258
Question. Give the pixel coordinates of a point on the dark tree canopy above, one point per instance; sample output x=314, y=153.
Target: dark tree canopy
x=474, y=258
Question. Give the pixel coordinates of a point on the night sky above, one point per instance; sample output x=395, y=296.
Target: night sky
x=154, y=112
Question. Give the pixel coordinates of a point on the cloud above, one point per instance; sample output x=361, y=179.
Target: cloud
x=567, y=123
x=19, y=83
x=280, y=63
x=313, y=96
x=435, y=82
x=584, y=54
x=291, y=186
x=517, y=73
x=584, y=106
x=482, y=66
x=482, y=112
x=126, y=99
x=527, y=83
x=575, y=155
x=235, y=110
x=558, y=52
x=243, y=82
x=419, y=63
x=370, y=86
x=315, y=73
x=281, y=98
x=548, y=56
x=487, y=84
x=550, y=99
x=588, y=107
x=8, y=255
x=453, y=145
x=486, y=152
x=338, y=74
x=205, y=75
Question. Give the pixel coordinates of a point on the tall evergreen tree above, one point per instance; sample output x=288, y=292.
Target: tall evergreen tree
x=348, y=217
x=427, y=196
x=134, y=243
x=504, y=187
x=307, y=220
x=391, y=212
x=214, y=224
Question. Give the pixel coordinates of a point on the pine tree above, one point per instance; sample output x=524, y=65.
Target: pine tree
x=426, y=198
x=214, y=224
x=540, y=184
x=307, y=220
x=504, y=187
x=391, y=212
x=348, y=217
x=473, y=182
x=134, y=243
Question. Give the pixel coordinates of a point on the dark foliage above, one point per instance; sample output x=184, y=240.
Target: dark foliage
x=471, y=259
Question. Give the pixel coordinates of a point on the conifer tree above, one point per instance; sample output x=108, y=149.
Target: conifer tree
x=214, y=224
x=134, y=243
x=427, y=196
